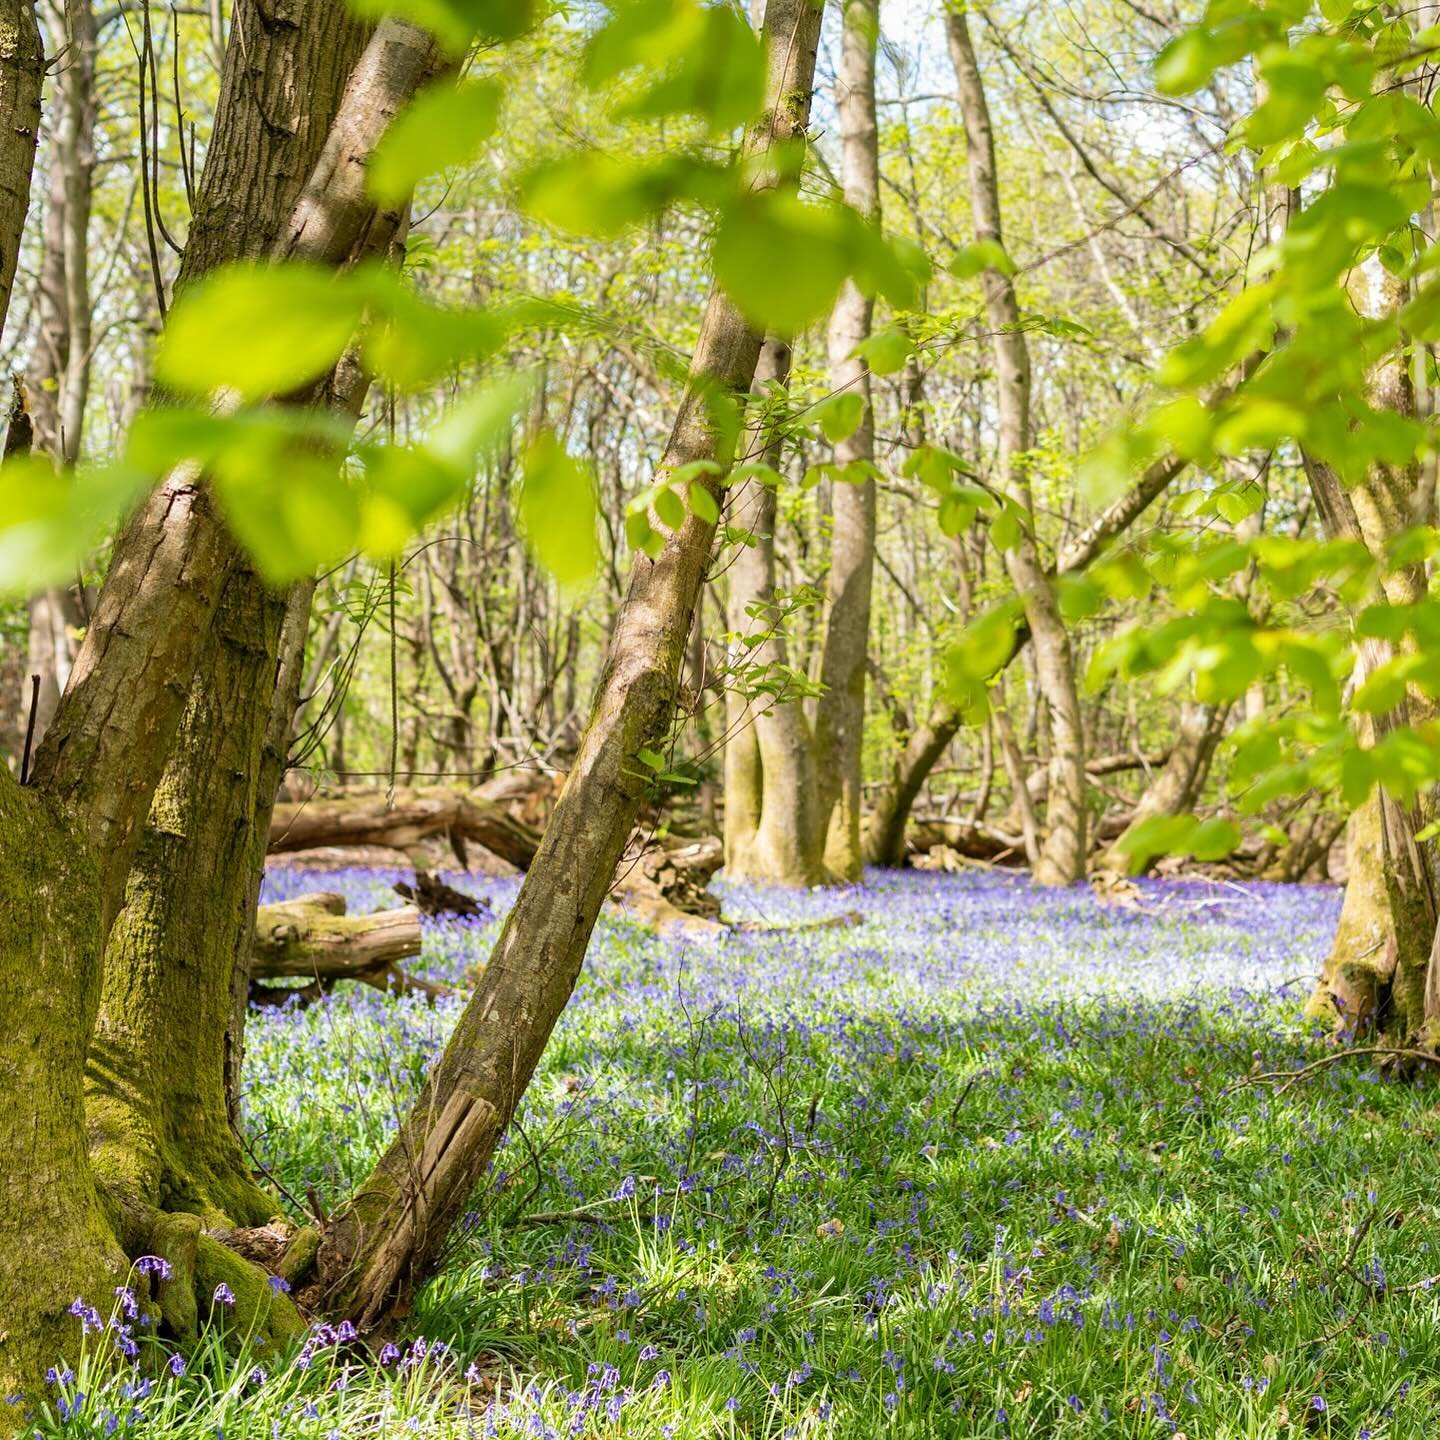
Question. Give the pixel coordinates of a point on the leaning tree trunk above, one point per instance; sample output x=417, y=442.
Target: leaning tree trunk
x=773, y=829
x=93, y=781
x=1175, y=789
x=388, y=1238
x=840, y=710
x=1062, y=857
x=884, y=839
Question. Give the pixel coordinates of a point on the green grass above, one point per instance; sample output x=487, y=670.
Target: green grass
x=888, y=1180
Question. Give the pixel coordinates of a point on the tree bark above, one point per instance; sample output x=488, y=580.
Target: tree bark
x=416, y=814
x=60, y=375
x=312, y=938
x=1062, y=856
x=387, y=1239
x=158, y=1104
x=22, y=73
x=840, y=710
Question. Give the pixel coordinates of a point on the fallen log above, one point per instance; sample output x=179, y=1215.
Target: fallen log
x=417, y=814
x=312, y=939
x=665, y=882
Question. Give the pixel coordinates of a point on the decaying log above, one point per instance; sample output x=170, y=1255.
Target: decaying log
x=312, y=939
x=967, y=839
x=432, y=896
x=417, y=814
x=666, y=886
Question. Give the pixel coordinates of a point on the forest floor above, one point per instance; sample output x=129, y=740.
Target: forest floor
x=967, y=1168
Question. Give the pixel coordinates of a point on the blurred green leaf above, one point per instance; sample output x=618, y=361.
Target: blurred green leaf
x=259, y=330
x=558, y=511
x=50, y=522
x=458, y=23
x=445, y=125
x=839, y=415
x=782, y=261
x=971, y=259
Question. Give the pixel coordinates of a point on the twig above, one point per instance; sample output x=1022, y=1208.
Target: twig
x=273, y=1178
x=30, y=728
x=960, y=1100
x=1287, y=1078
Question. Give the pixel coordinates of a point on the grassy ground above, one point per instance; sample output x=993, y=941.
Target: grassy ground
x=963, y=1169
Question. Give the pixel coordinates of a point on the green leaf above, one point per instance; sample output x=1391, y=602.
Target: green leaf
x=594, y=193
x=669, y=508
x=702, y=503
x=557, y=509
x=259, y=330
x=886, y=351
x=445, y=125
x=970, y=260
x=698, y=59
x=1186, y=63
x=782, y=261
x=49, y=522
x=479, y=424
x=457, y=23
x=641, y=534
x=839, y=415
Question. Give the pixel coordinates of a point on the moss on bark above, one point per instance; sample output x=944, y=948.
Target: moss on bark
x=56, y=1242
x=156, y=1073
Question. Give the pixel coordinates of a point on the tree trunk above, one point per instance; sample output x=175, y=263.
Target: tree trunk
x=885, y=825
x=1377, y=973
x=59, y=381
x=840, y=710
x=415, y=815
x=312, y=938
x=774, y=831
x=158, y=1099
x=103, y=757
x=1062, y=856
x=387, y=1240
x=22, y=72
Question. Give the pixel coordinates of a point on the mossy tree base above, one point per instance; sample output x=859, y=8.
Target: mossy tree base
x=1374, y=981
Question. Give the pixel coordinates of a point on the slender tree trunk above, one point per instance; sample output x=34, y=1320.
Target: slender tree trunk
x=1062, y=856
x=840, y=710
x=1014, y=764
x=60, y=375
x=773, y=828
x=885, y=825
x=387, y=1240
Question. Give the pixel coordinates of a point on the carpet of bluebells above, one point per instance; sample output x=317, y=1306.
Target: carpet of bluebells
x=967, y=1167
